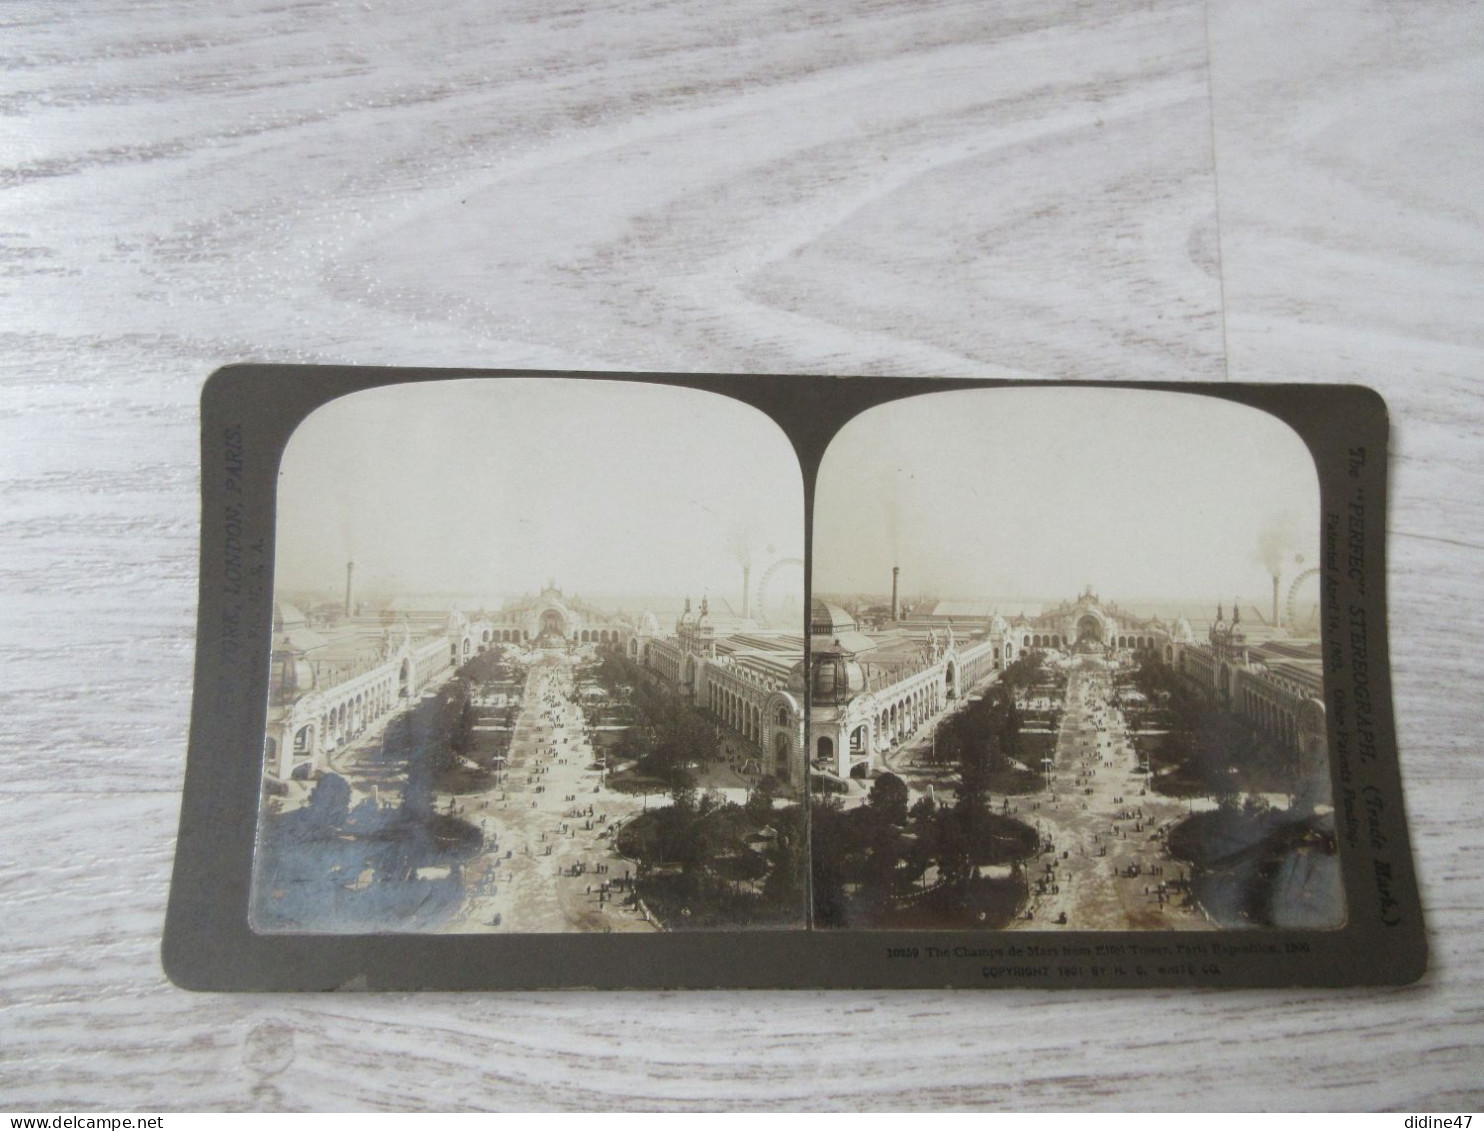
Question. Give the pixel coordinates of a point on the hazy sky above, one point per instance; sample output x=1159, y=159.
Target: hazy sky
x=492, y=487
x=1037, y=492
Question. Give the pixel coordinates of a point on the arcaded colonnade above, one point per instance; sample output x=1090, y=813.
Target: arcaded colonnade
x=852, y=734
x=323, y=720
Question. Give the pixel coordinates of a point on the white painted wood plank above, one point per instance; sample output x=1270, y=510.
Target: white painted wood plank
x=1348, y=159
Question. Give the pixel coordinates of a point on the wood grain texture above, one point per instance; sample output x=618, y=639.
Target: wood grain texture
x=1353, y=251
x=1022, y=188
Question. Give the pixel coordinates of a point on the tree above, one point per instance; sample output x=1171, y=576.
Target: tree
x=826, y=862
x=1009, y=730
x=784, y=887
x=878, y=869
x=462, y=741
x=329, y=802
x=1024, y=671
x=952, y=845
x=759, y=807
x=889, y=796
x=683, y=797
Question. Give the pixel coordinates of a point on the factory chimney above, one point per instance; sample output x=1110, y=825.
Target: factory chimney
x=1277, y=619
x=896, y=611
x=350, y=589
x=746, y=588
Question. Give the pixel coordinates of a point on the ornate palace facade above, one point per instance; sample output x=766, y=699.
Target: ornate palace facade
x=749, y=679
x=1276, y=684
x=870, y=692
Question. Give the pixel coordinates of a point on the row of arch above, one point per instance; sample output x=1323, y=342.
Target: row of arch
x=346, y=720
x=893, y=722
x=1056, y=640
x=520, y=636
x=977, y=663
x=664, y=661
x=1141, y=642
x=897, y=721
x=1198, y=666
x=736, y=712
x=329, y=719
x=1270, y=718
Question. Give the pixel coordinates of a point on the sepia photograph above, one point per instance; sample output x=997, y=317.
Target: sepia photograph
x=1066, y=668
x=537, y=664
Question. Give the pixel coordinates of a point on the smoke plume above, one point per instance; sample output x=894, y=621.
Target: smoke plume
x=1279, y=542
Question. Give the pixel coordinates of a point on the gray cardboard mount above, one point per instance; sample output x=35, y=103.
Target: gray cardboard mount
x=248, y=413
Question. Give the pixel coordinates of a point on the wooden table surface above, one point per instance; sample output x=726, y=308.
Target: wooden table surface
x=1245, y=189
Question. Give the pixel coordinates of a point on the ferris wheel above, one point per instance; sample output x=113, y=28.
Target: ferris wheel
x=761, y=605
x=1302, y=595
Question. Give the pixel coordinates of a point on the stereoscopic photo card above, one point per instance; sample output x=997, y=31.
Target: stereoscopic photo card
x=1080, y=709
x=527, y=679
x=573, y=714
